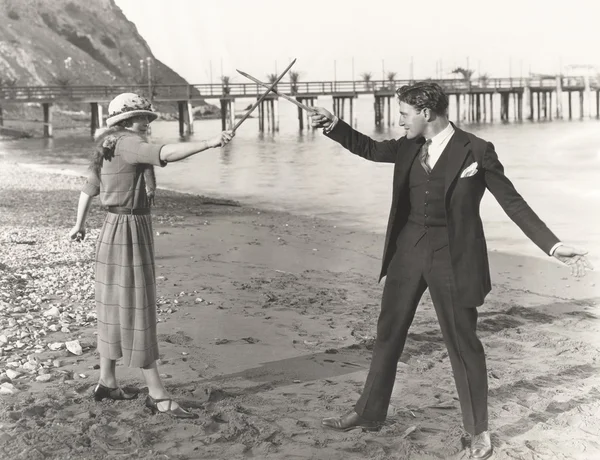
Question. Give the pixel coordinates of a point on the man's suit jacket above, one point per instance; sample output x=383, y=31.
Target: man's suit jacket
x=467, y=244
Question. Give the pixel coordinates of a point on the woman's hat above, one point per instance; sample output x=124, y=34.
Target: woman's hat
x=127, y=105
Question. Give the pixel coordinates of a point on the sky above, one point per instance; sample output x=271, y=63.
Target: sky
x=341, y=39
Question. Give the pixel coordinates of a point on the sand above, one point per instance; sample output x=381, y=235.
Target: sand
x=266, y=325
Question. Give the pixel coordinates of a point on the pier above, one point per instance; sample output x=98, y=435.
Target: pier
x=533, y=98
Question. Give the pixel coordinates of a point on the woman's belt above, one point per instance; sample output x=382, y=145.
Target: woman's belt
x=134, y=211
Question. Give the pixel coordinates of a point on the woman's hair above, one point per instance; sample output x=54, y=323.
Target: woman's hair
x=107, y=139
x=127, y=123
x=424, y=95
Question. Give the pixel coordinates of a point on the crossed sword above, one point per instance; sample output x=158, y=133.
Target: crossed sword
x=270, y=88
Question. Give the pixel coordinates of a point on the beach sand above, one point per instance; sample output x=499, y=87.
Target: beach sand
x=266, y=325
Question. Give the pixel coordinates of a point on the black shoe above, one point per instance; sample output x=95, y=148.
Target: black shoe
x=481, y=446
x=350, y=421
x=117, y=394
x=179, y=412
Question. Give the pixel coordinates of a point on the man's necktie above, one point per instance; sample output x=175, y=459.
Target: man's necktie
x=424, y=156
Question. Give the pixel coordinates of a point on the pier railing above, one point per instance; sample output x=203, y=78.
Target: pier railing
x=99, y=93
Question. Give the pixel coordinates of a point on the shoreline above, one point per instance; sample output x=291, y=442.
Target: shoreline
x=74, y=171
x=266, y=324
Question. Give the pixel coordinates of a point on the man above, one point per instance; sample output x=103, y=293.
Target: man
x=435, y=240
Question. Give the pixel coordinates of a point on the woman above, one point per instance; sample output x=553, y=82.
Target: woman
x=121, y=171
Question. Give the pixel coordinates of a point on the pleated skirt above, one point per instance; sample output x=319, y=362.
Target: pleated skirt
x=126, y=290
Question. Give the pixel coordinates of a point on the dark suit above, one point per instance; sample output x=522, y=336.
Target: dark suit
x=446, y=253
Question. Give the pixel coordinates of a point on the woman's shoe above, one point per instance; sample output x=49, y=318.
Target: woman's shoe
x=179, y=412
x=117, y=394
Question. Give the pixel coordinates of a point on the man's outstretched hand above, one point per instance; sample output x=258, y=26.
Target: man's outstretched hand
x=574, y=258
x=321, y=118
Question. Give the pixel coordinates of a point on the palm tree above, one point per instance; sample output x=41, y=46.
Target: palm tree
x=8, y=81
x=465, y=73
x=294, y=78
x=272, y=78
x=225, y=84
x=366, y=76
x=391, y=76
x=141, y=80
x=8, y=84
x=484, y=79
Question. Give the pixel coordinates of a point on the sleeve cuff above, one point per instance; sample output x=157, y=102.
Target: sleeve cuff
x=155, y=155
x=91, y=189
x=161, y=163
x=332, y=125
x=551, y=252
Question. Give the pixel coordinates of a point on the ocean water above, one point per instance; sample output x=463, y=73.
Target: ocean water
x=554, y=165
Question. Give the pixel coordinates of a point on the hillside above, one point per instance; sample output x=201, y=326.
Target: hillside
x=104, y=47
x=68, y=42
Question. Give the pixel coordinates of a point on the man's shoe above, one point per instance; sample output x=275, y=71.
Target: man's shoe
x=350, y=421
x=481, y=446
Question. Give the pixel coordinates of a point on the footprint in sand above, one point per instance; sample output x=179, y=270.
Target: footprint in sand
x=177, y=338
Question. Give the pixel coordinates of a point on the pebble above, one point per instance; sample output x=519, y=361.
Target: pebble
x=74, y=347
x=28, y=366
x=53, y=312
x=7, y=388
x=12, y=374
x=44, y=378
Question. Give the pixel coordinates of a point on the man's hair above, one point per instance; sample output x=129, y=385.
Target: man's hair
x=424, y=95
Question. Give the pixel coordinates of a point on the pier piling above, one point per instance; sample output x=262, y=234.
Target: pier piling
x=186, y=117
x=47, y=107
x=95, y=118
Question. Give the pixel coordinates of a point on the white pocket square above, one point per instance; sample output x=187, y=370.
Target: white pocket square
x=469, y=171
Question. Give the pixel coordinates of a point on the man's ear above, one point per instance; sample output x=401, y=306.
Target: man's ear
x=427, y=114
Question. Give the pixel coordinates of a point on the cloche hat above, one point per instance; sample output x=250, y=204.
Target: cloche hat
x=127, y=105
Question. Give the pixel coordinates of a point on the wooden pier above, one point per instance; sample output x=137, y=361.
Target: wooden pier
x=534, y=98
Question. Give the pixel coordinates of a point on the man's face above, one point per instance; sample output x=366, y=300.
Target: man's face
x=412, y=120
